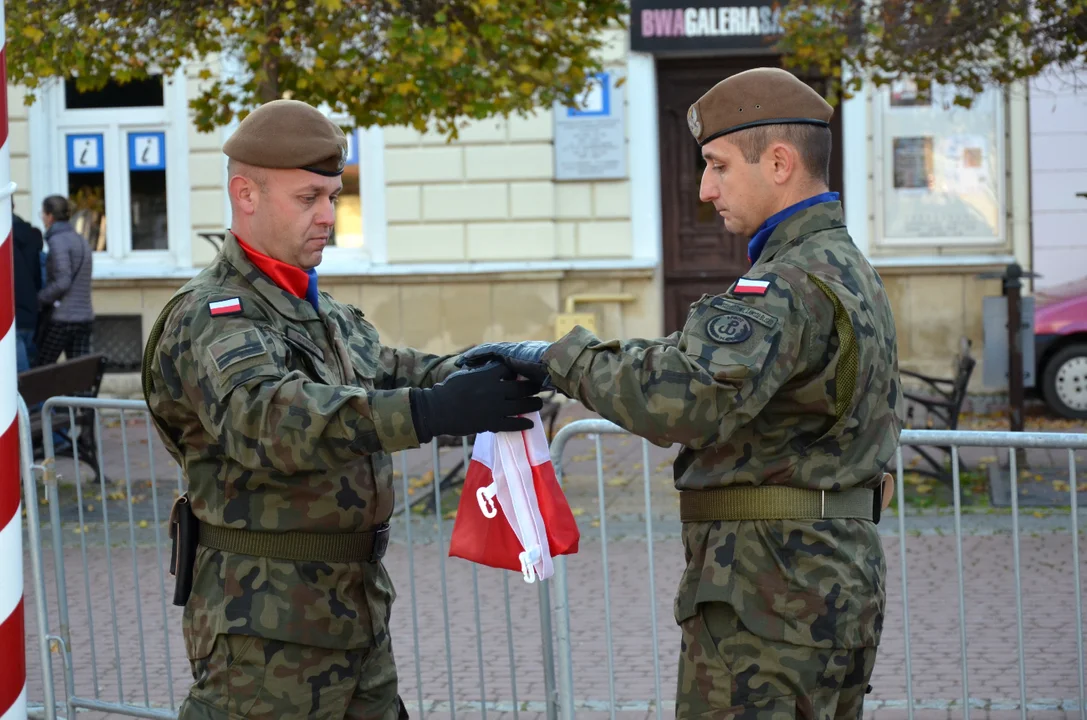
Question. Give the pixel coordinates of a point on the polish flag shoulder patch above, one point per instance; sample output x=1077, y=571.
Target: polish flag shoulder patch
x=230, y=306
x=746, y=286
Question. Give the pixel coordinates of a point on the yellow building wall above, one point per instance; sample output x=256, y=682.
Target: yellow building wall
x=18, y=145
x=933, y=309
x=207, y=172
x=489, y=194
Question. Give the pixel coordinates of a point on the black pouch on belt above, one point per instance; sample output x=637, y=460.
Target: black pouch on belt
x=185, y=532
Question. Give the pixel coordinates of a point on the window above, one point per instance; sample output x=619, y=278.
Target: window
x=355, y=237
x=135, y=93
x=120, y=156
x=348, y=230
x=939, y=167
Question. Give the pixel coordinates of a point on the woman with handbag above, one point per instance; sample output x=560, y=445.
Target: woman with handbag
x=67, y=314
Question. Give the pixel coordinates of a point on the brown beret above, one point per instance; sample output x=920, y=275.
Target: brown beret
x=289, y=134
x=762, y=96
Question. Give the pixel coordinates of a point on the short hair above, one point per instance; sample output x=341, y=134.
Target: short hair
x=812, y=142
x=256, y=174
x=57, y=206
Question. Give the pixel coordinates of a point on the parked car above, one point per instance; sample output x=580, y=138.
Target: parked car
x=1060, y=346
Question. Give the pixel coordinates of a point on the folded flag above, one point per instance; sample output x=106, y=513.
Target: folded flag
x=512, y=513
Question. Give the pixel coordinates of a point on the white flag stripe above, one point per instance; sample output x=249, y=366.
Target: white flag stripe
x=224, y=303
x=483, y=449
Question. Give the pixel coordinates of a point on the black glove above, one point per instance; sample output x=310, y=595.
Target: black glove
x=474, y=400
x=524, y=358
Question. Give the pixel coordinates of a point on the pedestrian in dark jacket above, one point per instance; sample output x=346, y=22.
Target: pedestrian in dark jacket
x=67, y=293
x=27, y=269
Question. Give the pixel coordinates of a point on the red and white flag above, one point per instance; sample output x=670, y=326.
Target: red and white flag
x=747, y=286
x=512, y=513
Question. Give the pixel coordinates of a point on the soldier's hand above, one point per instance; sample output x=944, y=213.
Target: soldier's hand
x=488, y=397
x=524, y=358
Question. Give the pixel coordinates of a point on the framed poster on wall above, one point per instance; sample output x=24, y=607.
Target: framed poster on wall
x=939, y=167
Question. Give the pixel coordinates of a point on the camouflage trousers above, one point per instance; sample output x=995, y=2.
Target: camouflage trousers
x=726, y=672
x=250, y=677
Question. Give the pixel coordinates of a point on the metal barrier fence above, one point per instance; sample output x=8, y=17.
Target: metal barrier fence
x=474, y=647
x=117, y=636
x=1070, y=442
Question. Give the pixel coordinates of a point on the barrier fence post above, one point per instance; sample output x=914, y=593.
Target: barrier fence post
x=34, y=535
x=12, y=626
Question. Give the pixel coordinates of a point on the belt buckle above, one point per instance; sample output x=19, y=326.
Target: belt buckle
x=381, y=543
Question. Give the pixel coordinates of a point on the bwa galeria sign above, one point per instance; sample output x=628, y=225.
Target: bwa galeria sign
x=670, y=25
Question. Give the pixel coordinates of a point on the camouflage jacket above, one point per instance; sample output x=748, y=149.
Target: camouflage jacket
x=282, y=418
x=766, y=390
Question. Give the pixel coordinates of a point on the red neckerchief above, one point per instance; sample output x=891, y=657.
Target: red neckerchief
x=288, y=277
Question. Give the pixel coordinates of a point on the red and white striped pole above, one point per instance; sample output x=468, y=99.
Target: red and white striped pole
x=12, y=628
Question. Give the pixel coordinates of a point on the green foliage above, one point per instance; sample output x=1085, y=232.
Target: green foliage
x=968, y=44
x=381, y=62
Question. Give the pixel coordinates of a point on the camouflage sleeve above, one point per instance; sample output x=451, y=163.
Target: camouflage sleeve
x=233, y=372
x=732, y=356
x=405, y=367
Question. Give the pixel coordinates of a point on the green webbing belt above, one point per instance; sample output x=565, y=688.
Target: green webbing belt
x=296, y=546
x=774, y=503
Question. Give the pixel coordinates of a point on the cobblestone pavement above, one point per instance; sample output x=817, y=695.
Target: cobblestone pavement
x=140, y=658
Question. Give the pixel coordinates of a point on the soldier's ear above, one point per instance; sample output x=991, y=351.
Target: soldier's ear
x=785, y=161
x=243, y=194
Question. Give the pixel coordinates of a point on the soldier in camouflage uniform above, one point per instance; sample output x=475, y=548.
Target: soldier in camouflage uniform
x=282, y=406
x=784, y=393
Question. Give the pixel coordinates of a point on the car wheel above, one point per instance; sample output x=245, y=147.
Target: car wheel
x=1064, y=381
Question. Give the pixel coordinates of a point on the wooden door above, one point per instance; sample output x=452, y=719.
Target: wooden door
x=700, y=255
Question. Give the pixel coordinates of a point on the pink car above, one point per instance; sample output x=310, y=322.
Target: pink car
x=1060, y=346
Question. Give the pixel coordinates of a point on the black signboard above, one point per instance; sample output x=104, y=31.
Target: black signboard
x=689, y=25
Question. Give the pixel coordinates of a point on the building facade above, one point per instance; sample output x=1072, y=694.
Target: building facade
x=506, y=231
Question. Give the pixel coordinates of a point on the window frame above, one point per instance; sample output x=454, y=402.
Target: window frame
x=56, y=123
x=369, y=152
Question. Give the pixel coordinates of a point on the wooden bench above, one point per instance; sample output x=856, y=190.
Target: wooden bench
x=942, y=405
x=81, y=377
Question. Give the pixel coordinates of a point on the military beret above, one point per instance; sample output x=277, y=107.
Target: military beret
x=289, y=134
x=762, y=96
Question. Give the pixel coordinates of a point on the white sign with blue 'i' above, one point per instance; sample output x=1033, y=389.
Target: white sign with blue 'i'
x=85, y=153
x=147, y=151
